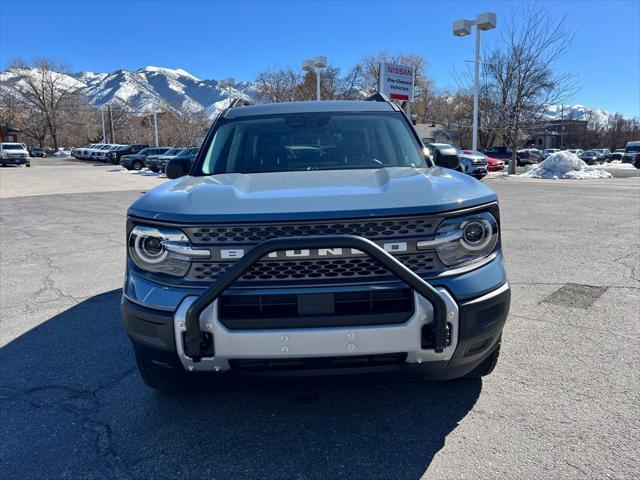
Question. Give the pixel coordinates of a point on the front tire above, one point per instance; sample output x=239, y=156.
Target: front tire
x=137, y=165
x=488, y=364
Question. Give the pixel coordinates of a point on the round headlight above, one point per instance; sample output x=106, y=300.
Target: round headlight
x=476, y=234
x=160, y=250
x=150, y=249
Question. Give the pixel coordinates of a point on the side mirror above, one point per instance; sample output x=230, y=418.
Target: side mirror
x=177, y=167
x=448, y=161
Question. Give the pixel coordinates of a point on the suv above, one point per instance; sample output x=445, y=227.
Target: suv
x=137, y=161
x=474, y=163
x=152, y=162
x=314, y=238
x=14, y=154
x=37, y=152
x=115, y=155
x=631, y=152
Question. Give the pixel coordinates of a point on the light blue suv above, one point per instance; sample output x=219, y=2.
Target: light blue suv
x=314, y=238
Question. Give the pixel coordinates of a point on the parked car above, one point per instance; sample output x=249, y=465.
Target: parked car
x=575, y=151
x=152, y=161
x=14, y=154
x=186, y=153
x=115, y=155
x=523, y=157
x=358, y=256
x=80, y=152
x=630, y=151
x=473, y=163
x=534, y=153
x=37, y=152
x=136, y=161
x=548, y=151
x=592, y=157
x=605, y=154
x=90, y=153
x=617, y=154
x=103, y=154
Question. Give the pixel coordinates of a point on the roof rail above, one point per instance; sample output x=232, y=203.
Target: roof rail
x=381, y=97
x=239, y=102
x=378, y=97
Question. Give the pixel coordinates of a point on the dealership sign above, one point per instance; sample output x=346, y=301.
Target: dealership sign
x=396, y=81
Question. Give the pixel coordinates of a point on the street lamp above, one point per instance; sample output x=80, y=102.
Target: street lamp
x=314, y=66
x=462, y=28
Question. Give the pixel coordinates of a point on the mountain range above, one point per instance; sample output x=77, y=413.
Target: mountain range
x=152, y=89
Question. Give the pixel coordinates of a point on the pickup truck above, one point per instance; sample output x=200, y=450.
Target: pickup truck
x=14, y=154
x=314, y=238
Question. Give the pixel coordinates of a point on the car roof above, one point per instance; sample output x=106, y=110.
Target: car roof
x=309, y=107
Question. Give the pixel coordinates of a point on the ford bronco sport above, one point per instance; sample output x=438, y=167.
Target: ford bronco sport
x=314, y=238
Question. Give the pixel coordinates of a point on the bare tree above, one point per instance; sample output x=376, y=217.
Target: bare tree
x=523, y=74
x=49, y=91
x=277, y=85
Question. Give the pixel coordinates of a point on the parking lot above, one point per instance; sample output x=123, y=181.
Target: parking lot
x=562, y=403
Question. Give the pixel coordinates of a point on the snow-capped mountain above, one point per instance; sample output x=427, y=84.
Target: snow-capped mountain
x=577, y=112
x=145, y=90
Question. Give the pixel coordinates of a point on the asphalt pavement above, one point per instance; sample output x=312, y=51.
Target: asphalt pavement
x=563, y=401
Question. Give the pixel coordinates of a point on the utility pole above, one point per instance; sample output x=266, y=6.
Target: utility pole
x=104, y=133
x=562, y=125
x=155, y=128
x=113, y=137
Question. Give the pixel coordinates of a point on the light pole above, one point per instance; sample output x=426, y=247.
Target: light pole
x=314, y=66
x=462, y=28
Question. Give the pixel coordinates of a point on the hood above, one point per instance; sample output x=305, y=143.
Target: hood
x=311, y=195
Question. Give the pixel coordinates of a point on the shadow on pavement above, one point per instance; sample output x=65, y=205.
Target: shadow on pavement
x=73, y=405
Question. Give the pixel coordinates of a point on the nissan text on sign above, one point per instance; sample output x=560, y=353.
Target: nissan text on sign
x=396, y=81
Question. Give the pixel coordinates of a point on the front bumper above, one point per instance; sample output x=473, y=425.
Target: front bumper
x=476, y=329
x=15, y=161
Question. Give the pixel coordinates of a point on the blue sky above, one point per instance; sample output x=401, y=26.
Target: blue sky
x=238, y=39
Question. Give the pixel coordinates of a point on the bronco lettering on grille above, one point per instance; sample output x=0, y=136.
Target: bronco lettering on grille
x=391, y=247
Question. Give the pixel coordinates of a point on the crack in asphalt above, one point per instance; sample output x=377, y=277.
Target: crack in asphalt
x=85, y=406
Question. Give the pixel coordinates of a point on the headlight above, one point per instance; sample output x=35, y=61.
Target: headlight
x=463, y=240
x=162, y=250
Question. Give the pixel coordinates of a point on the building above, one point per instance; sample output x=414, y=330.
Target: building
x=436, y=132
x=557, y=134
x=10, y=134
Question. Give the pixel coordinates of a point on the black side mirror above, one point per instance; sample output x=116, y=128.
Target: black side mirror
x=447, y=161
x=177, y=167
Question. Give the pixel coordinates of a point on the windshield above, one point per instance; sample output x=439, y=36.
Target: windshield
x=11, y=146
x=172, y=152
x=632, y=148
x=318, y=141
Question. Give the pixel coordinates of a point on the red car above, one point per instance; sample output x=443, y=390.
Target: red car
x=493, y=164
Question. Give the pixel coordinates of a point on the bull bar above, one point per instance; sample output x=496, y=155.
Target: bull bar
x=197, y=343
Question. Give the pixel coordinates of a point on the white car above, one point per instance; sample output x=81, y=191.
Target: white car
x=81, y=153
x=548, y=151
x=14, y=154
x=103, y=154
x=90, y=152
x=575, y=151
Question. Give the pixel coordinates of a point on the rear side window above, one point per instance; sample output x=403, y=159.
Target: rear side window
x=318, y=141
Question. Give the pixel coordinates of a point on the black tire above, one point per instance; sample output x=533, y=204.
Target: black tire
x=487, y=365
x=136, y=165
x=167, y=378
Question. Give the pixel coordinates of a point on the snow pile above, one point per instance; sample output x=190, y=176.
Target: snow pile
x=565, y=165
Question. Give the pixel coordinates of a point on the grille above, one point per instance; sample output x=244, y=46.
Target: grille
x=368, y=228
x=360, y=268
